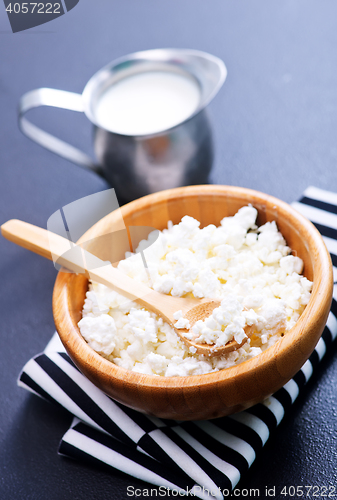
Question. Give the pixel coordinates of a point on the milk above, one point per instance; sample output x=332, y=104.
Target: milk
x=147, y=103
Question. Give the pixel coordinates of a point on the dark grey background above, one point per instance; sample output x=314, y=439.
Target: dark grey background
x=275, y=128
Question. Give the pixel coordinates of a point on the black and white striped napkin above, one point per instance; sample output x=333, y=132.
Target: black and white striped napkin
x=204, y=458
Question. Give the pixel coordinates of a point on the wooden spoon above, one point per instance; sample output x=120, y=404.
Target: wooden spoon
x=79, y=260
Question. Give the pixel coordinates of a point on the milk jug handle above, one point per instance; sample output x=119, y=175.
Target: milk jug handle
x=58, y=99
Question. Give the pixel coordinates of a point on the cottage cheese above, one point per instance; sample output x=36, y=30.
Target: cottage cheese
x=227, y=322
x=249, y=269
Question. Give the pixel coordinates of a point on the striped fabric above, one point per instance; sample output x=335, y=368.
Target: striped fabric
x=204, y=458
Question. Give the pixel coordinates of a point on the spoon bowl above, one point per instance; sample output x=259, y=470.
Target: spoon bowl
x=203, y=309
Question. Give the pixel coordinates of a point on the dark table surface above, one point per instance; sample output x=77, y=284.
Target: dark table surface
x=275, y=129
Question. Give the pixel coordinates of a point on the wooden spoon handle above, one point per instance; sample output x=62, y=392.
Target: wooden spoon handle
x=73, y=257
x=28, y=236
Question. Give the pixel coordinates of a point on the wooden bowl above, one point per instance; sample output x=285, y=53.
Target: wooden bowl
x=229, y=390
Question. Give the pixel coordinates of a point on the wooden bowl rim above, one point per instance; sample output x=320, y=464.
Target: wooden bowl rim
x=319, y=301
